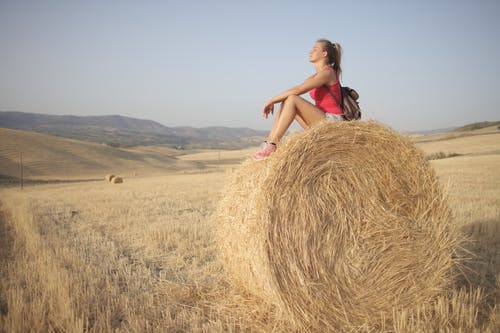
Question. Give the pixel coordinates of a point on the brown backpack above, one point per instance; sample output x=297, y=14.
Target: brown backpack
x=349, y=105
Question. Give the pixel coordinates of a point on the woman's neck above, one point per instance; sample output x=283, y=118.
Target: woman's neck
x=320, y=65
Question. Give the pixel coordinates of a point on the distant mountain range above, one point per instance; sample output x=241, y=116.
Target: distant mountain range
x=120, y=131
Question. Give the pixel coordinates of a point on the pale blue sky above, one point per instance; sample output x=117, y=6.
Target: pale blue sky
x=416, y=64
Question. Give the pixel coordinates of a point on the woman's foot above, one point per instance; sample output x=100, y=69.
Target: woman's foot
x=266, y=149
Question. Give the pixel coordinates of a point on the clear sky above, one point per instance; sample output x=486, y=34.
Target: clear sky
x=416, y=64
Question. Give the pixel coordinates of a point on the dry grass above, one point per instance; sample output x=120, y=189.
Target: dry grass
x=440, y=155
x=472, y=144
x=141, y=257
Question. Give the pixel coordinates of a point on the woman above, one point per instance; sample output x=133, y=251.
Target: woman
x=326, y=59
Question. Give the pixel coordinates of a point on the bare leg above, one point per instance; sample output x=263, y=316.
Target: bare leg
x=298, y=118
x=301, y=122
x=292, y=107
x=276, y=121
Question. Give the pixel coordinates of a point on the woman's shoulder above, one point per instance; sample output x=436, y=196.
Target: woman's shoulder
x=327, y=73
x=332, y=73
x=326, y=70
x=330, y=69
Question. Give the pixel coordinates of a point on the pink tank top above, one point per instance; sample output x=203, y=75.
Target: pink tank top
x=324, y=100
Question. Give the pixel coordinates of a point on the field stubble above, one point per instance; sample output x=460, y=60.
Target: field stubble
x=140, y=256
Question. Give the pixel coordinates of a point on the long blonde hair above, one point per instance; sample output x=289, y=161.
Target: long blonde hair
x=334, y=51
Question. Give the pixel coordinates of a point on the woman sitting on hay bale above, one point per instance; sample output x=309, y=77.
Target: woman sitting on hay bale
x=325, y=56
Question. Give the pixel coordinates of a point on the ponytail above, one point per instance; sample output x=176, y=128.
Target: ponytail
x=334, y=52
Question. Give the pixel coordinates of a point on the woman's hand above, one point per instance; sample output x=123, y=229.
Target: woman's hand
x=268, y=109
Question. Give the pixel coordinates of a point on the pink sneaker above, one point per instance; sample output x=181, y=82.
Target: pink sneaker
x=266, y=149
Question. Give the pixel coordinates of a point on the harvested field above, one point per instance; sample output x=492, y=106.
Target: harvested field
x=142, y=256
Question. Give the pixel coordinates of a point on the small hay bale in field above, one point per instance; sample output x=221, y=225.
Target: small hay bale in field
x=345, y=222
x=117, y=180
x=110, y=177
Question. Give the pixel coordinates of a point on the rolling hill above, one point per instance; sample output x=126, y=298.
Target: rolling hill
x=120, y=131
x=50, y=158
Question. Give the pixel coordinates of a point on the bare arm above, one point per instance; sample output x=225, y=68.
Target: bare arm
x=314, y=81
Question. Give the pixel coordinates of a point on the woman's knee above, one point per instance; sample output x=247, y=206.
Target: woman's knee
x=292, y=99
x=290, y=103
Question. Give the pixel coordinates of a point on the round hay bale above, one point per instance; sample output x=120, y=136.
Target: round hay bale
x=117, y=180
x=109, y=177
x=343, y=224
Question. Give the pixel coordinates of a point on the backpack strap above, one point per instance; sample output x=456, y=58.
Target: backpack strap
x=334, y=97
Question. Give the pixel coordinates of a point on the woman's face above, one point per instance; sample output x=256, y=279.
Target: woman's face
x=317, y=52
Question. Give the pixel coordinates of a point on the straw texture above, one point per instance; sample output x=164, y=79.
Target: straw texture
x=117, y=180
x=343, y=224
x=110, y=177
